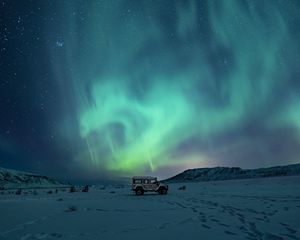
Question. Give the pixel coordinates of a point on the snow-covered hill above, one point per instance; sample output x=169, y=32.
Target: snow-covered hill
x=16, y=179
x=227, y=173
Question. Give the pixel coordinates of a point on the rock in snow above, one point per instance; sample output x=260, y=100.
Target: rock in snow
x=227, y=173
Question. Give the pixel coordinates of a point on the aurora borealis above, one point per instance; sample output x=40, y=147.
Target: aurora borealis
x=118, y=88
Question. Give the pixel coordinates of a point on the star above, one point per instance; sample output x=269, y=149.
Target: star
x=59, y=44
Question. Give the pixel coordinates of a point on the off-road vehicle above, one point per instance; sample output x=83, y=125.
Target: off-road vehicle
x=148, y=184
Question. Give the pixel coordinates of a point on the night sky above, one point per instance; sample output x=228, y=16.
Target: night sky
x=99, y=89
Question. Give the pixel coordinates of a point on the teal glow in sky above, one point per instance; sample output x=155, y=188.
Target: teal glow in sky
x=156, y=87
x=159, y=85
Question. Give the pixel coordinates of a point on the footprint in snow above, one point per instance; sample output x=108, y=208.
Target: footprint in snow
x=290, y=236
x=229, y=233
x=292, y=231
x=284, y=224
x=271, y=236
x=194, y=209
x=223, y=224
x=214, y=220
x=202, y=219
x=38, y=236
x=188, y=220
x=163, y=226
x=205, y=226
x=251, y=235
x=242, y=228
x=57, y=235
x=259, y=219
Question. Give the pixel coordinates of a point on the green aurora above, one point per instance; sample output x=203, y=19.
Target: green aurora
x=161, y=86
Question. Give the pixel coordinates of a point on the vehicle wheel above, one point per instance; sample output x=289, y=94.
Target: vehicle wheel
x=163, y=191
x=139, y=191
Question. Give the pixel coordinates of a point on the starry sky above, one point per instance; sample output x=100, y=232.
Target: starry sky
x=101, y=89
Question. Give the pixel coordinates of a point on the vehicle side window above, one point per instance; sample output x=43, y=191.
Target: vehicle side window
x=153, y=181
x=137, y=181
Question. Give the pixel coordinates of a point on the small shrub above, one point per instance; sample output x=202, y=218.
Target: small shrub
x=59, y=200
x=71, y=209
x=72, y=189
x=50, y=192
x=19, y=191
x=112, y=192
x=85, y=188
x=182, y=188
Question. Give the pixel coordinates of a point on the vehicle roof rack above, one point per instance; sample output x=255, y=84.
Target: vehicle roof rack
x=144, y=177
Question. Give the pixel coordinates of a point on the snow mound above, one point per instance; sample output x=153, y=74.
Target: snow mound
x=230, y=173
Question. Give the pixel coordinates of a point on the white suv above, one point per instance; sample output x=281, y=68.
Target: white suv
x=148, y=184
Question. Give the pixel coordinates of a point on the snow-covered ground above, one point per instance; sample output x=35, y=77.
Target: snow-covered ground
x=266, y=208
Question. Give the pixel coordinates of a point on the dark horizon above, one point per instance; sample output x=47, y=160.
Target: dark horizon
x=127, y=180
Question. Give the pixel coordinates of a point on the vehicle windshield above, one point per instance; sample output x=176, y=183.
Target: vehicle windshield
x=135, y=181
x=147, y=181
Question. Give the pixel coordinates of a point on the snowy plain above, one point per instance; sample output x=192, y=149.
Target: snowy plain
x=266, y=208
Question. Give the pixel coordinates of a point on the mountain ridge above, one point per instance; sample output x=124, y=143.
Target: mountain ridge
x=10, y=178
x=232, y=173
